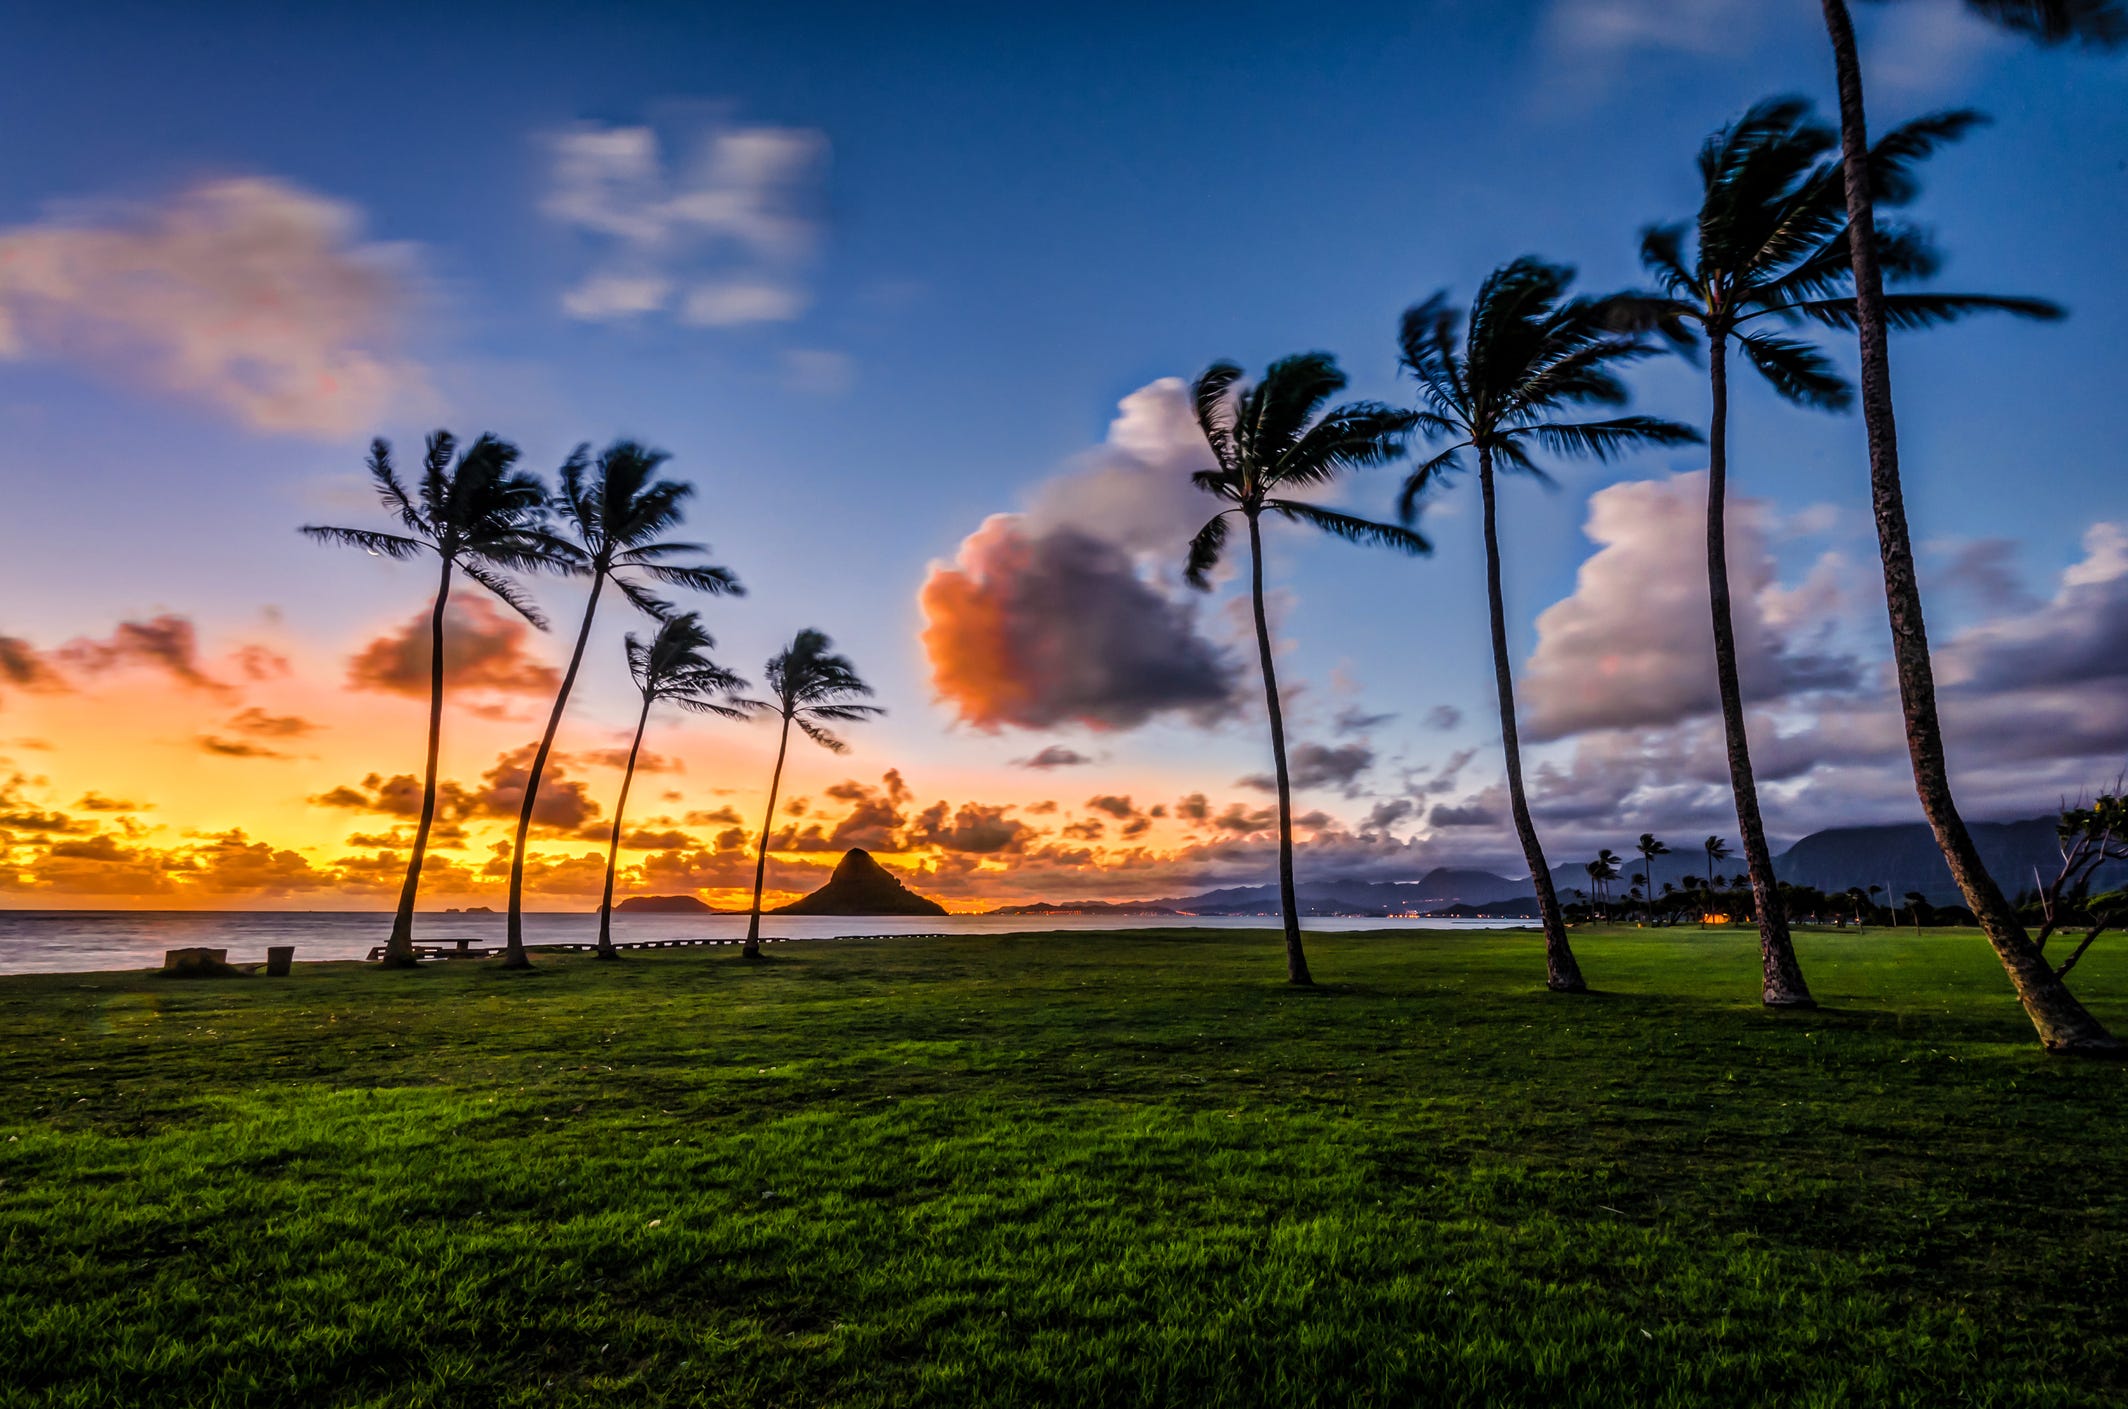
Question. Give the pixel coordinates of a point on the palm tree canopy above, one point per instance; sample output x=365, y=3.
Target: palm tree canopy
x=809, y=683
x=2094, y=23
x=1771, y=240
x=1274, y=438
x=618, y=508
x=1648, y=845
x=479, y=512
x=1498, y=380
x=674, y=666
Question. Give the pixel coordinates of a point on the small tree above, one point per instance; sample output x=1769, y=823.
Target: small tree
x=2089, y=838
x=1649, y=848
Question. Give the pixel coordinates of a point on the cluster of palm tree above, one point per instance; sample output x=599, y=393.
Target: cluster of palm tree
x=605, y=522
x=1787, y=234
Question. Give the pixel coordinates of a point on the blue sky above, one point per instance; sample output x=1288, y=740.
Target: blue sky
x=1012, y=221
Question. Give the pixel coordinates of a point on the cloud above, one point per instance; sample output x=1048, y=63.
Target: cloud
x=1035, y=631
x=1634, y=644
x=236, y=748
x=25, y=667
x=258, y=723
x=1604, y=33
x=250, y=294
x=1319, y=766
x=166, y=643
x=1053, y=756
x=1071, y=612
x=2078, y=636
x=974, y=828
x=1443, y=717
x=1354, y=720
x=818, y=371
x=483, y=649
x=719, y=240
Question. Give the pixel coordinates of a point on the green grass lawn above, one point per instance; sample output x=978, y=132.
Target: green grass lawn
x=1067, y=1169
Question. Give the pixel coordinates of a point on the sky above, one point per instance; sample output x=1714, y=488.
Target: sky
x=912, y=298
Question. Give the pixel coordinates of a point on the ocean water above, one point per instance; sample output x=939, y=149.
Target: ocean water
x=75, y=941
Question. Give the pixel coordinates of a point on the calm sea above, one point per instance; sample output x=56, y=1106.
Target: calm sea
x=71, y=941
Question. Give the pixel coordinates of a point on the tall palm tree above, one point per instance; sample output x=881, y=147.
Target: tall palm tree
x=617, y=510
x=1527, y=354
x=1271, y=441
x=1718, y=851
x=809, y=686
x=1605, y=869
x=1770, y=242
x=479, y=516
x=2063, y=1023
x=672, y=667
x=1649, y=848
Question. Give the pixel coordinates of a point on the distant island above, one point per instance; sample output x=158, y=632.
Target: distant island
x=861, y=886
x=1086, y=907
x=471, y=910
x=666, y=905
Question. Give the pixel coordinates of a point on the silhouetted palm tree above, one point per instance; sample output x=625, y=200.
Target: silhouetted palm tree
x=1527, y=354
x=1603, y=870
x=672, y=667
x=1718, y=851
x=2063, y=1023
x=1271, y=441
x=809, y=686
x=481, y=517
x=617, y=511
x=1649, y=848
x=1771, y=243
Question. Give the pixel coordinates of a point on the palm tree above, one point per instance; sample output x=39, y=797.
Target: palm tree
x=1649, y=848
x=1771, y=242
x=2063, y=1023
x=617, y=511
x=1528, y=353
x=1718, y=852
x=672, y=667
x=1604, y=870
x=810, y=687
x=1271, y=441
x=481, y=517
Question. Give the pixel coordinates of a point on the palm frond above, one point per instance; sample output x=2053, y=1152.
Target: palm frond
x=1798, y=371
x=1908, y=310
x=1894, y=156
x=1421, y=481
x=503, y=587
x=1601, y=440
x=711, y=581
x=2098, y=24
x=820, y=736
x=1205, y=548
x=1353, y=529
x=384, y=545
x=1212, y=398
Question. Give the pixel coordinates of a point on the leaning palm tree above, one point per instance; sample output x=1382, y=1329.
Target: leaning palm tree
x=617, y=511
x=1770, y=243
x=672, y=667
x=2063, y=1023
x=479, y=516
x=1649, y=848
x=1271, y=441
x=1495, y=386
x=811, y=687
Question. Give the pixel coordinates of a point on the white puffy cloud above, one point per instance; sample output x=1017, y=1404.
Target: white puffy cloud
x=1634, y=644
x=251, y=294
x=720, y=239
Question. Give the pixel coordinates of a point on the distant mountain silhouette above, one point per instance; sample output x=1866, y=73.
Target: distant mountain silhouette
x=666, y=905
x=861, y=886
x=1904, y=857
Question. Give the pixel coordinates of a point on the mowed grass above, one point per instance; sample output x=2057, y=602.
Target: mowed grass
x=1102, y=1169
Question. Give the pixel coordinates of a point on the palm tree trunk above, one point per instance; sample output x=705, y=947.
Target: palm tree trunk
x=613, y=843
x=1561, y=973
x=1288, y=906
x=399, y=949
x=2062, y=1022
x=1781, y=982
x=514, y=953
x=768, y=823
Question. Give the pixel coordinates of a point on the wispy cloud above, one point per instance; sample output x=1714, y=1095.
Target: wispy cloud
x=253, y=295
x=719, y=236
